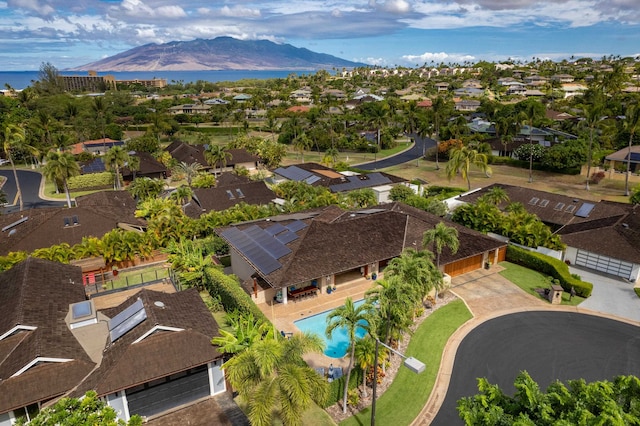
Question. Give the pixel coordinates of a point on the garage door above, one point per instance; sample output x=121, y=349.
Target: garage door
x=170, y=392
x=604, y=264
x=463, y=266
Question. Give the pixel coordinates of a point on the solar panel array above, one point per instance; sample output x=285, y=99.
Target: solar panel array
x=635, y=156
x=361, y=181
x=263, y=247
x=297, y=174
x=126, y=320
x=96, y=166
x=585, y=209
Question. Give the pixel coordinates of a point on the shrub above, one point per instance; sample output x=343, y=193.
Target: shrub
x=92, y=180
x=229, y=292
x=548, y=265
x=336, y=388
x=596, y=177
x=637, y=290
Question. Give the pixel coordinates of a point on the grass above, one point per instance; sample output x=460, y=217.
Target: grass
x=50, y=192
x=530, y=280
x=314, y=416
x=126, y=279
x=408, y=393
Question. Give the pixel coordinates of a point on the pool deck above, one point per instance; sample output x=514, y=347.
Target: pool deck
x=284, y=315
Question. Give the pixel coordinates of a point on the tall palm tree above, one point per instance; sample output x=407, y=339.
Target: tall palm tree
x=272, y=374
x=59, y=168
x=216, y=154
x=365, y=353
x=438, y=108
x=115, y=159
x=13, y=138
x=461, y=160
x=631, y=124
x=376, y=115
x=441, y=236
x=350, y=317
x=495, y=196
x=416, y=269
x=593, y=114
x=395, y=302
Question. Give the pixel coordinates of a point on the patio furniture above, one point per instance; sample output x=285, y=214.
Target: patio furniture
x=302, y=292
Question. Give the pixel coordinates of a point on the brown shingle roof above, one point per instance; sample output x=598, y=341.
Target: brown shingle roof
x=335, y=241
x=218, y=199
x=127, y=364
x=37, y=293
x=183, y=152
x=46, y=227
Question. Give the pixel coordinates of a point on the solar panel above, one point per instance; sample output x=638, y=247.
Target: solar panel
x=312, y=179
x=635, y=156
x=95, y=166
x=265, y=240
x=585, y=209
x=286, y=237
x=275, y=229
x=361, y=181
x=296, y=225
x=294, y=173
x=126, y=320
x=257, y=255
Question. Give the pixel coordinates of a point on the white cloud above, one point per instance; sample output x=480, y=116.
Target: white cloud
x=40, y=9
x=438, y=57
x=170, y=12
x=238, y=11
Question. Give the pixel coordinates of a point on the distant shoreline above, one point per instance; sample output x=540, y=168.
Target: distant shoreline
x=22, y=79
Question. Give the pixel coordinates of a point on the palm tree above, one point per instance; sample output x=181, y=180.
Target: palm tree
x=272, y=374
x=216, y=154
x=441, y=236
x=416, y=269
x=188, y=171
x=395, y=302
x=302, y=143
x=349, y=317
x=438, y=107
x=59, y=168
x=364, y=197
x=593, y=113
x=13, y=138
x=330, y=157
x=495, y=196
x=631, y=124
x=182, y=194
x=376, y=115
x=145, y=187
x=246, y=330
x=460, y=161
x=365, y=353
x=115, y=159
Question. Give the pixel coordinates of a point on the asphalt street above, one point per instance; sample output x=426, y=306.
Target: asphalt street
x=548, y=345
x=30, y=185
x=416, y=152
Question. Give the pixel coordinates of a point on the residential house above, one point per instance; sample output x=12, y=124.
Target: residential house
x=190, y=109
x=471, y=92
x=147, y=355
x=190, y=154
x=619, y=159
x=467, y=105
x=326, y=247
x=562, y=78
x=39, y=228
x=573, y=89
x=149, y=167
x=186, y=153
x=600, y=236
x=318, y=175
x=97, y=146
x=442, y=86
x=227, y=195
x=301, y=95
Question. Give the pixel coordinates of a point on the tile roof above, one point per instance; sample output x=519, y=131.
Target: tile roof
x=183, y=152
x=149, y=166
x=37, y=293
x=335, y=240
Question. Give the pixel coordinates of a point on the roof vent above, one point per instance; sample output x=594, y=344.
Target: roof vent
x=159, y=304
x=625, y=225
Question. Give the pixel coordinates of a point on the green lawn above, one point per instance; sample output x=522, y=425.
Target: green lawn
x=130, y=278
x=408, y=393
x=529, y=280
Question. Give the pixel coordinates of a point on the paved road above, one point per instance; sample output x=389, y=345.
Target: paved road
x=30, y=185
x=549, y=345
x=414, y=153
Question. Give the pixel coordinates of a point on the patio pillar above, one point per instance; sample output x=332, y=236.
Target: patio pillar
x=284, y=295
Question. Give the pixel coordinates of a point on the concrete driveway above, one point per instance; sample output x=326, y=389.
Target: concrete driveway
x=611, y=295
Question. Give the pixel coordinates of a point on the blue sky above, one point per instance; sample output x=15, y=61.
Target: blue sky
x=378, y=32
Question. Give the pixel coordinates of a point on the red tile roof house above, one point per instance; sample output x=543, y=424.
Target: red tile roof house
x=600, y=236
x=330, y=246
x=150, y=354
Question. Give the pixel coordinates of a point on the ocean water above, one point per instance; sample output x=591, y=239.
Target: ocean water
x=22, y=79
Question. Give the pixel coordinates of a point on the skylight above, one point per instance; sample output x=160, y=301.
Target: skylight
x=534, y=201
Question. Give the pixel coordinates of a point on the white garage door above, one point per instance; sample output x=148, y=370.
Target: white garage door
x=605, y=264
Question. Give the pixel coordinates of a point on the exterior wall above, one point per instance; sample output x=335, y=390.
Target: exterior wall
x=118, y=401
x=6, y=419
x=240, y=267
x=465, y=265
x=216, y=377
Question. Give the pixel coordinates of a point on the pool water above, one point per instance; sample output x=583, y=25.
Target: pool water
x=338, y=345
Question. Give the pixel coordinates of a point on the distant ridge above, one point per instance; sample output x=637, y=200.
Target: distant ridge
x=222, y=53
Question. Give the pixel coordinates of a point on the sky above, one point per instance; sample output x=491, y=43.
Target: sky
x=69, y=33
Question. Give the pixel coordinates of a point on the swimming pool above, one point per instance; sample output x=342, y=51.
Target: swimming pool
x=337, y=346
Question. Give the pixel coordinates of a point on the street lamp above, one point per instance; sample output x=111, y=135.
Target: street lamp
x=411, y=363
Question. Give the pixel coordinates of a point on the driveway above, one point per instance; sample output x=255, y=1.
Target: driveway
x=412, y=154
x=30, y=184
x=612, y=296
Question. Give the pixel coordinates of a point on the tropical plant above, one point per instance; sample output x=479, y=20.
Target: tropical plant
x=217, y=155
x=144, y=188
x=365, y=353
x=247, y=330
x=350, y=317
x=364, y=197
x=13, y=139
x=59, y=168
x=416, y=270
x=441, y=236
x=631, y=125
x=600, y=402
x=495, y=196
x=116, y=158
x=271, y=376
x=395, y=302
x=461, y=160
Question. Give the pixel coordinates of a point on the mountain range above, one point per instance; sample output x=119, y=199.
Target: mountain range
x=221, y=53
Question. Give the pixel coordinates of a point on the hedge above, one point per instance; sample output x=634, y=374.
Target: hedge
x=548, y=265
x=336, y=387
x=232, y=296
x=103, y=179
x=524, y=164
